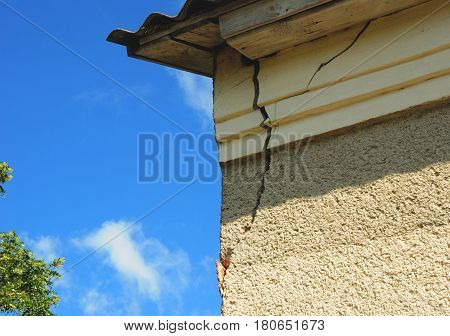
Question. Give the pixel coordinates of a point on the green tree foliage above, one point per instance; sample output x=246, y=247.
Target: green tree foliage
x=26, y=283
x=5, y=175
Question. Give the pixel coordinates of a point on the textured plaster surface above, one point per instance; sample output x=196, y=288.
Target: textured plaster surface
x=355, y=224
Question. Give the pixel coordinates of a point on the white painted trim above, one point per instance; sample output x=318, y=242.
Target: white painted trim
x=413, y=70
x=399, y=100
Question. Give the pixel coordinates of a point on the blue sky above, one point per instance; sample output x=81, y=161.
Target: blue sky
x=70, y=135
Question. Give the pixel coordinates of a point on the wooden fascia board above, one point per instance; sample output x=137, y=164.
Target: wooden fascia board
x=311, y=24
x=173, y=66
x=182, y=59
x=261, y=13
x=186, y=25
x=135, y=41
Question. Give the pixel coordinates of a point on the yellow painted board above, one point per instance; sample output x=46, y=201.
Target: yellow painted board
x=400, y=100
x=388, y=41
x=234, y=90
x=361, y=88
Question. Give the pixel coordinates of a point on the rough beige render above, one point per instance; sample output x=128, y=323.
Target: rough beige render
x=354, y=224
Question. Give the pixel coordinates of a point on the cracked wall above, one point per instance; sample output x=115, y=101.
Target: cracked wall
x=367, y=71
x=355, y=221
x=266, y=151
x=347, y=48
x=364, y=232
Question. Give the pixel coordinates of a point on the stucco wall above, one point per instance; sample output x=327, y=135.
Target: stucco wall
x=353, y=224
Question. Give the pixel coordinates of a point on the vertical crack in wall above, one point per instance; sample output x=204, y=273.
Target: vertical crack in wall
x=226, y=256
x=340, y=53
x=267, y=153
x=267, y=161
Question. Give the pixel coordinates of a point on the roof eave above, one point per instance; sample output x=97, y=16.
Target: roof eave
x=196, y=17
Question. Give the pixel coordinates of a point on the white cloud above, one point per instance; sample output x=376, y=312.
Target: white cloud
x=94, y=303
x=45, y=247
x=48, y=249
x=198, y=93
x=142, y=263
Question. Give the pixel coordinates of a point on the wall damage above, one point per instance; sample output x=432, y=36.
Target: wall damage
x=267, y=153
x=315, y=233
x=323, y=64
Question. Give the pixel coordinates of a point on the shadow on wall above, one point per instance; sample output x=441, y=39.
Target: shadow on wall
x=407, y=143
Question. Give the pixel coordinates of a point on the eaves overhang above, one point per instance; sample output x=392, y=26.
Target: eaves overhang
x=255, y=28
x=157, y=22
x=186, y=41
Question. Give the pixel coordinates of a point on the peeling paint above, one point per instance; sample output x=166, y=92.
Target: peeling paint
x=220, y=271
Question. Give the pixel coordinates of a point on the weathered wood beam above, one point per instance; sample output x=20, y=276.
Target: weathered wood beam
x=184, y=25
x=312, y=24
x=178, y=54
x=261, y=13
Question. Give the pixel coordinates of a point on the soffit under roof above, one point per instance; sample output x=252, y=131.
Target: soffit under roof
x=185, y=41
